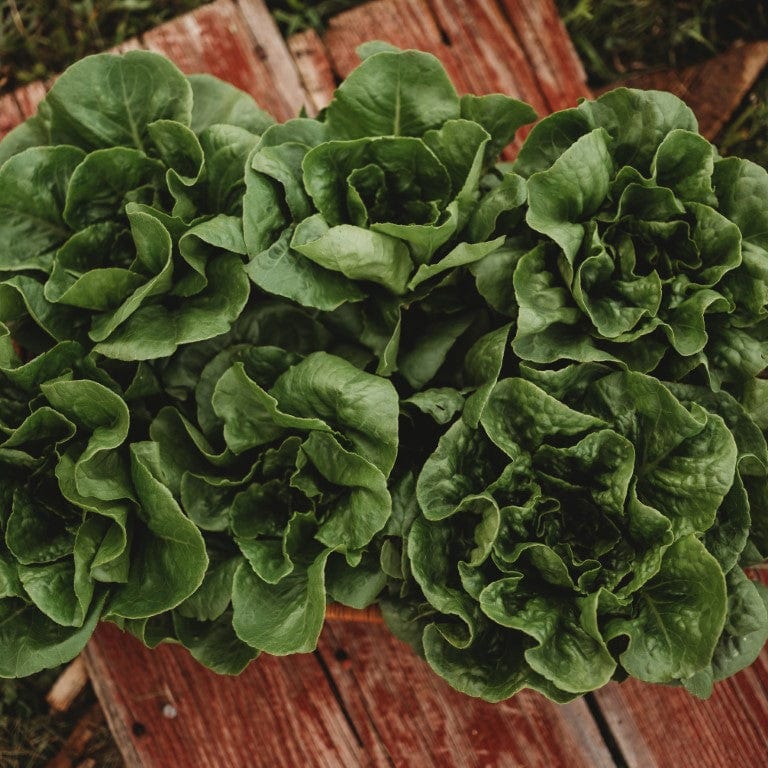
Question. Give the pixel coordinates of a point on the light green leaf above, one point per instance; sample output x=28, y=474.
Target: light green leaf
x=33, y=186
x=363, y=407
x=566, y=195
x=393, y=94
x=215, y=101
x=107, y=100
x=357, y=253
x=168, y=557
x=680, y=614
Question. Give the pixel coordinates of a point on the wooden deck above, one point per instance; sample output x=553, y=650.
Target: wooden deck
x=363, y=698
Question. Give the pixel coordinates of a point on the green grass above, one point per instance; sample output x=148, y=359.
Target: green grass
x=30, y=736
x=39, y=38
x=618, y=37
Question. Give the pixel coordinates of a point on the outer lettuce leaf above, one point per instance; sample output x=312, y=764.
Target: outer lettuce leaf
x=169, y=560
x=680, y=616
x=106, y=100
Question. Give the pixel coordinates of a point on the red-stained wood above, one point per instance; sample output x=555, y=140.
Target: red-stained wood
x=10, y=114
x=270, y=46
x=404, y=23
x=400, y=706
x=29, y=96
x=317, y=77
x=364, y=699
x=488, y=56
x=549, y=51
x=658, y=727
x=280, y=713
x=216, y=39
x=713, y=89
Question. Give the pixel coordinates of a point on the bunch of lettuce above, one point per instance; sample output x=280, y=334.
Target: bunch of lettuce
x=120, y=209
x=366, y=209
x=591, y=525
x=590, y=519
x=89, y=531
x=641, y=246
x=250, y=369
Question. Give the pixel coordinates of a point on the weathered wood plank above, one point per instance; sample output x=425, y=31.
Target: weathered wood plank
x=487, y=51
x=549, y=51
x=404, y=23
x=315, y=70
x=272, y=50
x=658, y=727
x=655, y=726
x=713, y=89
x=166, y=711
x=28, y=97
x=215, y=39
x=10, y=114
x=399, y=705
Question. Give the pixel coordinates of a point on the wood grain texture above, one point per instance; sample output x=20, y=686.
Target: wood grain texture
x=731, y=728
x=487, y=53
x=400, y=706
x=270, y=47
x=363, y=699
x=713, y=89
x=317, y=78
x=549, y=52
x=216, y=39
x=404, y=23
x=280, y=713
x=28, y=97
x=10, y=114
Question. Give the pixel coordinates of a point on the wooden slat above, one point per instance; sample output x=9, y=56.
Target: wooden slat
x=713, y=89
x=216, y=39
x=272, y=50
x=399, y=706
x=10, y=114
x=474, y=39
x=486, y=52
x=657, y=727
x=280, y=713
x=549, y=49
x=317, y=77
x=363, y=700
x=29, y=96
x=654, y=726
